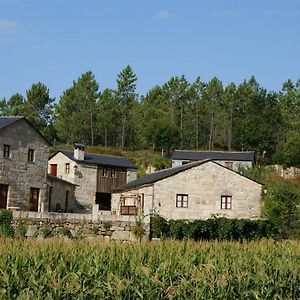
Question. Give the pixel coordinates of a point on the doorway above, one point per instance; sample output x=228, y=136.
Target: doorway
x=3, y=195
x=104, y=201
x=34, y=199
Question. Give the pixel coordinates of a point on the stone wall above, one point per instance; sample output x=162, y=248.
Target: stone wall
x=83, y=175
x=86, y=185
x=131, y=175
x=17, y=172
x=287, y=173
x=236, y=165
x=62, y=197
x=69, y=225
x=60, y=160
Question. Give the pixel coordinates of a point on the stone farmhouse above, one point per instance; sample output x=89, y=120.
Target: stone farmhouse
x=24, y=184
x=231, y=159
x=95, y=176
x=196, y=190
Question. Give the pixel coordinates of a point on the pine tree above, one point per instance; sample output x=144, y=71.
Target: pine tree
x=127, y=98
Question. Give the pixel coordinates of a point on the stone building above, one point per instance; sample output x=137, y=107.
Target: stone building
x=61, y=195
x=95, y=176
x=23, y=166
x=231, y=159
x=196, y=190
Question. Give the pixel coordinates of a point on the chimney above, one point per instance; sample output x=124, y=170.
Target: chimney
x=79, y=151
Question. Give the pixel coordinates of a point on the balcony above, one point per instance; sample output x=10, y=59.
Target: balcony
x=129, y=210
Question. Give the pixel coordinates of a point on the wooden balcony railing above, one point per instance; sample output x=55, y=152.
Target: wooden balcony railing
x=129, y=210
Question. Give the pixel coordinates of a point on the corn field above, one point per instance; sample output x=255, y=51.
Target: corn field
x=82, y=269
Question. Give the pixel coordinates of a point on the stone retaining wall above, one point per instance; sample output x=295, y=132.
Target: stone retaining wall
x=48, y=225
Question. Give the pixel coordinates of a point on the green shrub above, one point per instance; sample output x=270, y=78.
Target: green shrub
x=213, y=229
x=177, y=229
x=159, y=162
x=95, y=229
x=79, y=233
x=282, y=207
x=22, y=229
x=66, y=232
x=138, y=229
x=5, y=223
x=46, y=231
x=107, y=225
x=158, y=226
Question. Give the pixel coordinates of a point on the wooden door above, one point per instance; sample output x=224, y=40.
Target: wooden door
x=3, y=195
x=34, y=199
x=53, y=169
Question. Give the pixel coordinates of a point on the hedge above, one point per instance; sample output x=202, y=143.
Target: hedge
x=212, y=229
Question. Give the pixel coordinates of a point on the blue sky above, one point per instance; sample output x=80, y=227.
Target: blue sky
x=55, y=41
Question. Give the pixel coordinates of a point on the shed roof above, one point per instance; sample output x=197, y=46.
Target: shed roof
x=105, y=160
x=51, y=177
x=214, y=155
x=151, y=178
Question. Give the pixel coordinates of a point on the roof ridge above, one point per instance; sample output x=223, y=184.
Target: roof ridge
x=99, y=159
x=97, y=154
x=222, y=151
x=172, y=171
x=12, y=117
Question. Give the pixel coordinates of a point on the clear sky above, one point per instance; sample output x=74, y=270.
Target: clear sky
x=55, y=41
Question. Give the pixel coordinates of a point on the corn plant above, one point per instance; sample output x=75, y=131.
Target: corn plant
x=85, y=269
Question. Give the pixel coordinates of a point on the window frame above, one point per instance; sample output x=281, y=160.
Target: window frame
x=113, y=173
x=6, y=151
x=104, y=172
x=31, y=155
x=67, y=168
x=182, y=200
x=226, y=202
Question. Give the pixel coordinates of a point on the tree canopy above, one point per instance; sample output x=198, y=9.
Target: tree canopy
x=177, y=114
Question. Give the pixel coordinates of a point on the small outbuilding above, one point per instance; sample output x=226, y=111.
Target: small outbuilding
x=196, y=190
x=61, y=195
x=231, y=159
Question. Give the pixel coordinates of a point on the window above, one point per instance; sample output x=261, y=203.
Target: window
x=229, y=164
x=6, y=150
x=67, y=168
x=104, y=172
x=181, y=200
x=113, y=172
x=226, y=202
x=30, y=154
